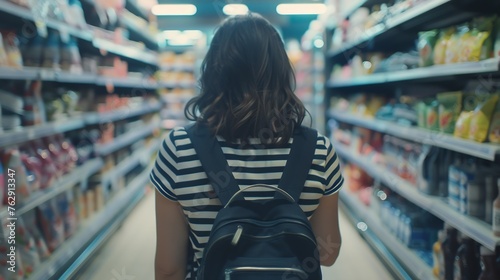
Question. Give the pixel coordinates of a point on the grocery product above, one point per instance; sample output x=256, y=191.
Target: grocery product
x=438, y=257
x=479, y=45
x=496, y=212
x=11, y=159
x=3, y=53
x=450, y=106
x=456, y=44
x=467, y=261
x=3, y=185
x=426, y=43
x=432, y=116
x=51, y=224
x=488, y=263
x=494, y=132
x=480, y=121
x=51, y=51
x=66, y=208
x=11, y=45
x=70, y=56
x=442, y=44
x=428, y=178
x=449, y=247
x=462, y=125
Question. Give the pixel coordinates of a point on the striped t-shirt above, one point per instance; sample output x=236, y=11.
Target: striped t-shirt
x=179, y=176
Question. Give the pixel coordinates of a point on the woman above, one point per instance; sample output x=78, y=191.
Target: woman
x=246, y=100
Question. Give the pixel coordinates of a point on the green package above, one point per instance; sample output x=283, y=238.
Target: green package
x=450, y=106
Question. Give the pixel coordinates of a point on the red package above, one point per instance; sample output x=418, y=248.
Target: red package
x=11, y=159
x=51, y=225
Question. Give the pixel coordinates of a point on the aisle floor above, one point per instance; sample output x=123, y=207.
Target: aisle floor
x=129, y=254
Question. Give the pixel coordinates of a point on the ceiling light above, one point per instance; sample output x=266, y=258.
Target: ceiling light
x=174, y=10
x=301, y=9
x=235, y=9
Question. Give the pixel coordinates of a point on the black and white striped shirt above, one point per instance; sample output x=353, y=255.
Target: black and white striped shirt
x=179, y=176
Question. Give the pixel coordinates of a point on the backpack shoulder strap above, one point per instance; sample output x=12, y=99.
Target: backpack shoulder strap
x=213, y=161
x=299, y=162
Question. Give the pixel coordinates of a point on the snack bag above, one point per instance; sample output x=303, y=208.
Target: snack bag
x=432, y=116
x=442, y=44
x=421, y=110
x=494, y=134
x=480, y=122
x=426, y=43
x=51, y=225
x=479, y=45
x=463, y=125
x=450, y=106
x=455, y=44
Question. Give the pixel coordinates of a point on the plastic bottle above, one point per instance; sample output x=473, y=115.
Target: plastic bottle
x=449, y=247
x=496, y=212
x=467, y=260
x=437, y=254
x=488, y=264
x=454, y=174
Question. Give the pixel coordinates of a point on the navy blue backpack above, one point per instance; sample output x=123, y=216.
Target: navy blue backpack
x=258, y=239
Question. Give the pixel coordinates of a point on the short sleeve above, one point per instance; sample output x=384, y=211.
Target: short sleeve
x=164, y=173
x=332, y=173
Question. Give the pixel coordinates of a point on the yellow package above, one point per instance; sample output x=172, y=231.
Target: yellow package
x=479, y=45
x=481, y=118
x=441, y=45
x=455, y=44
x=494, y=134
x=463, y=125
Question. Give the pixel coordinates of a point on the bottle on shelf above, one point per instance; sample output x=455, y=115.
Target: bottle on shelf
x=488, y=261
x=449, y=247
x=437, y=252
x=467, y=260
x=496, y=212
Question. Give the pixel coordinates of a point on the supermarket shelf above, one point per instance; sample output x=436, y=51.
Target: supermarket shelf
x=433, y=73
x=439, y=139
x=170, y=84
x=140, y=33
x=7, y=73
x=406, y=256
x=121, y=114
x=65, y=183
x=472, y=227
x=64, y=28
x=125, y=140
x=127, y=82
x=135, y=9
x=178, y=67
x=139, y=157
x=133, y=53
x=425, y=12
x=93, y=232
x=29, y=133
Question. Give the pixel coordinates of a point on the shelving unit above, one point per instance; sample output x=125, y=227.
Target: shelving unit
x=141, y=57
x=482, y=150
x=472, y=227
x=399, y=33
x=94, y=232
x=404, y=255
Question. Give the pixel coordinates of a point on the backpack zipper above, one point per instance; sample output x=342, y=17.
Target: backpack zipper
x=229, y=271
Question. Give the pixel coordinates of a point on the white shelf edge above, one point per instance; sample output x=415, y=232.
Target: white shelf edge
x=61, y=185
x=439, y=139
x=435, y=71
x=124, y=140
x=472, y=227
x=126, y=51
x=404, y=254
x=120, y=114
x=38, y=131
x=90, y=228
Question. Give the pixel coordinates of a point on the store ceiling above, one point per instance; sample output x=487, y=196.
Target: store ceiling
x=209, y=15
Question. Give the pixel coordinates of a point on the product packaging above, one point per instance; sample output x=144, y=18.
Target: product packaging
x=51, y=52
x=438, y=257
x=442, y=44
x=456, y=44
x=66, y=208
x=11, y=159
x=33, y=229
x=450, y=106
x=426, y=43
x=462, y=125
x=11, y=45
x=50, y=224
x=488, y=263
x=449, y=247
x=480, y=121
x=494, y=132
x=467, y=261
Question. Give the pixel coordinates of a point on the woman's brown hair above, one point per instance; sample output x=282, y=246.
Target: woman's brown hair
x=247, y=84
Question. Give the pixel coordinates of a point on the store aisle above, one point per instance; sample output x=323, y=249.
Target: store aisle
x=129, y=254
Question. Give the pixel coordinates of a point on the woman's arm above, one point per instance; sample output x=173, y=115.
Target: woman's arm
x=171, y=240
x=325, y=224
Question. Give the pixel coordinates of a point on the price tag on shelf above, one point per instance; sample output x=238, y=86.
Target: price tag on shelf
x=64, y=34
x=41, y=28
